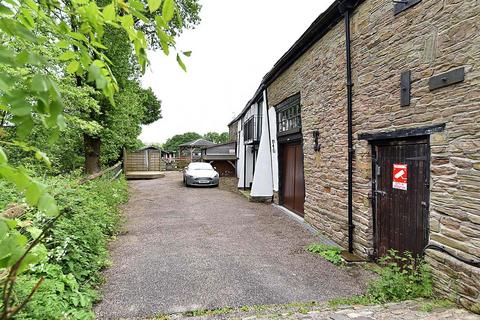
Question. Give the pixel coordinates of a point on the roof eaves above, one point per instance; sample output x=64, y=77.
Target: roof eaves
x=324, y=22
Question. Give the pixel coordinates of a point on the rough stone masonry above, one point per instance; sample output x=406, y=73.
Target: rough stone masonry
x=428, y=39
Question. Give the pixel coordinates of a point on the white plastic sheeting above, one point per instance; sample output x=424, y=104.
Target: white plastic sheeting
x=272, y=114
x=262, y=181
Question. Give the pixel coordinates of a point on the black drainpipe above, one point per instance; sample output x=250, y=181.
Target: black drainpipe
x=351, y=226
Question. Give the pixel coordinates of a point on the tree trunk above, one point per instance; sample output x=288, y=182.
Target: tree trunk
x=92, y=153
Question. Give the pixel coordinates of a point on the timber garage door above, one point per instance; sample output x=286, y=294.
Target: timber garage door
x=292, y=183
x=401, y=187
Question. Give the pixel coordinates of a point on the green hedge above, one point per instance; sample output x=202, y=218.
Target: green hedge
x=77, y=248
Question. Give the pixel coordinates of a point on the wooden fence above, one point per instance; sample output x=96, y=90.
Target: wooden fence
x=142, y=164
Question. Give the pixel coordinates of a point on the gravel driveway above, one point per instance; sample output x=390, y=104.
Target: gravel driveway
x=204, y=248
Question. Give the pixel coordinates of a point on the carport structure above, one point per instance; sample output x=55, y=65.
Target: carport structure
x=193, y=149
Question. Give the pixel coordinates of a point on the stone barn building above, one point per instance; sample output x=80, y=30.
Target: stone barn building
x=373, y=120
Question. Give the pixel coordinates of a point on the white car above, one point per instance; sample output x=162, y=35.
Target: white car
x=200, y=174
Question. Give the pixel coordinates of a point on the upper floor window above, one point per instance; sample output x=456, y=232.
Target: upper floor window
x=289, y=114
x=259, y=117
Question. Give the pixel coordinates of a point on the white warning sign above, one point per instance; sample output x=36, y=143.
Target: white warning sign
x=400, y=175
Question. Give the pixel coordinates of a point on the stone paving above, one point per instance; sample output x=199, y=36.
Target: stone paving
x=408, y=310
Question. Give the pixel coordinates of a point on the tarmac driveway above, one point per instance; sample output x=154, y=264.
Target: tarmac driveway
x=204, y=248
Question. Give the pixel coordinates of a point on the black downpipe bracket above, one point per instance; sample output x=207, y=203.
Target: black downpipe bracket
x=346, y=11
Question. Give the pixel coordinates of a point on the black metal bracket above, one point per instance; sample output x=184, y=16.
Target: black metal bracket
x=316, y=146
x=402, y=5
x=447, y=78
x=405, y=87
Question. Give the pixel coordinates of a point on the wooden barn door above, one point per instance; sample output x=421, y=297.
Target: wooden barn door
x=401, y=187
x=292, y=183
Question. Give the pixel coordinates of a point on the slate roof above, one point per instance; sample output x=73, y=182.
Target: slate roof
x=199, y=143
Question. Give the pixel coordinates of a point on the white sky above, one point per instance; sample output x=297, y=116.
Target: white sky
x=235, y=45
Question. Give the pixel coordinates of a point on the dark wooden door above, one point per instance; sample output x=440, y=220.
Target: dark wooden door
x=401, y=187
x=292, y=180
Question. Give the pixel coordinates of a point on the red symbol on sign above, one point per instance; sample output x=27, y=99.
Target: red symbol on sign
x=400, y=174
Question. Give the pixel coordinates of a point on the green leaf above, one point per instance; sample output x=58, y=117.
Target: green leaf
x=4, y=11
x=98, y=45
x=33, y=193
x=26, y=19
x=180, y=63
x=3, y=229
x=40, y=83
x=37, y=254
x=67, y=55
x=78, y=36
x=136, y=5
x=160, y=22
x=31, y=4
x=3, y=157
x=47, y=204
x=16, y=29
x=168, y=10
x=25, y=57
x=109, y=12
x=21, y=109
x=95, y=74
x=7, y=56
x=43, y=157
x=153, y=5
x=73, y=66
x=12, y=224
x=63, y=44
x=7, y=245
x=187, y=53
x=61, y=123
x=25, y=124
x=127, y=21
x=34, y=232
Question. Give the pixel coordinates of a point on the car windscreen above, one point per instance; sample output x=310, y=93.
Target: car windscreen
x=200, y=166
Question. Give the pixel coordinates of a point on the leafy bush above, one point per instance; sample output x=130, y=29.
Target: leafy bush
x=402, y=278
x=329, y=253
x=77, y=248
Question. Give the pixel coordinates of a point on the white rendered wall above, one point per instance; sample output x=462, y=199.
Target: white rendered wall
x=272, y=114
x=262, y=182
x=240, y=156
x=244, y=163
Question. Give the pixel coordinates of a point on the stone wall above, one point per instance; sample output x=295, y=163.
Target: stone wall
x=322, y=99
x=429, y=38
